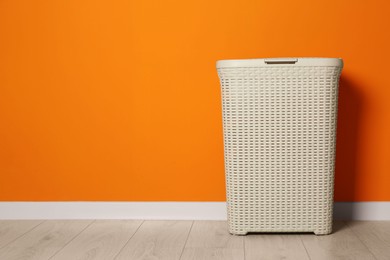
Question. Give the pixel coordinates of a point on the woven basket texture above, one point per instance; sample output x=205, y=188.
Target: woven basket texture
x=280, y=137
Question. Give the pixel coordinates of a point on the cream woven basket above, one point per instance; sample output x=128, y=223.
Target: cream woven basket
x=279, y=121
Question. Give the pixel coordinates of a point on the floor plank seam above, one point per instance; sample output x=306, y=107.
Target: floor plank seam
x=243, y=243
x=21, y=235
x=185, y=244
x=115, y=257
x=307, y=252
x=81, y=231
x=351, y=229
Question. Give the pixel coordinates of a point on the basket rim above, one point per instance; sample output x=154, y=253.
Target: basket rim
x=281, y=61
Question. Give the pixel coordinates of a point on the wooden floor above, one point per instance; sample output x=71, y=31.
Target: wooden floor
x=133, y=239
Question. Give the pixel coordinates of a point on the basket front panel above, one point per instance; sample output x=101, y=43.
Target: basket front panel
x=279, y=135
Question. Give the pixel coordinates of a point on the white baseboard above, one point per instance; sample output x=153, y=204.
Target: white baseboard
x=378, y=210
x=113, y=210
x=164, y=210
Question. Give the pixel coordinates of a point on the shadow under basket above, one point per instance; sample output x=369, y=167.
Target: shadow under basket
x=279, y=123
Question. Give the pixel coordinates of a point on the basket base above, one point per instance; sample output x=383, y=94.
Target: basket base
x=244, y=233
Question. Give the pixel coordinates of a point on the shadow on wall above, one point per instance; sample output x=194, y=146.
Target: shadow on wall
x=349, y=112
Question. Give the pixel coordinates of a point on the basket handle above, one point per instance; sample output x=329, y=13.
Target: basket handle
x=281, y=61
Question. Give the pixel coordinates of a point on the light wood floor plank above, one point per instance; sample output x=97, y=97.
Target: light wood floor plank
x=211, y=240
x=274, y=246
x=157, y=240
x=43, y=241
x=12, y=229
x=343, y=244
x=213, y=234
x=375, y=235
x=212, y=254
x=103, y=239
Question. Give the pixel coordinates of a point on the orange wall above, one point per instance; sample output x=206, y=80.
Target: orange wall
x=120, y=100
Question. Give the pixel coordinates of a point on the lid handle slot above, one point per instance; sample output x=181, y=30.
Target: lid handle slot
x=280, y=61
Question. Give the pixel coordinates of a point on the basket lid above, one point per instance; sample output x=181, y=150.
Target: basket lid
x=266, y=62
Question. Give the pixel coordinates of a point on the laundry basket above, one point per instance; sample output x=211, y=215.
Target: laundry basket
x=279, y=122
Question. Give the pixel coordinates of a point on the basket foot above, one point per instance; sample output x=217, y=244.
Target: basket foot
x=240, y=233
x=322, y=233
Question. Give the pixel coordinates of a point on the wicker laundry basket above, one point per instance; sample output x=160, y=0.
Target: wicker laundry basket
x=279, y=121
